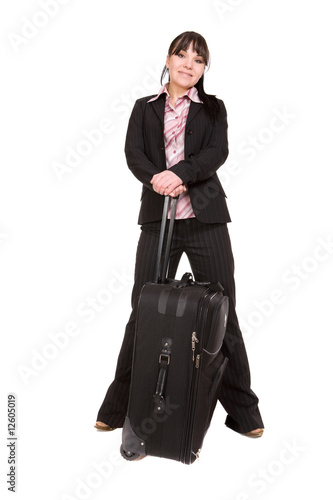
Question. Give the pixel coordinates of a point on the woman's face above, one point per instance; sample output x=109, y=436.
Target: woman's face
x=185, y=68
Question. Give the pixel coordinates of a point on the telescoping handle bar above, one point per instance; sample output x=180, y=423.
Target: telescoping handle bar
x=169, y=239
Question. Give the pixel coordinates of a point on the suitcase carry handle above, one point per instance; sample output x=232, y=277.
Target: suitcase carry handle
x=169, y=239
x=164, y=361
x=188, y=281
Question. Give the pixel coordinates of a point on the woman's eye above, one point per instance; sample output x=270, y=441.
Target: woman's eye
x=199, y=61
x=180, y=55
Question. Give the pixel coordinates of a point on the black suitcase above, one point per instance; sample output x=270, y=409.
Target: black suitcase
x=177, y=363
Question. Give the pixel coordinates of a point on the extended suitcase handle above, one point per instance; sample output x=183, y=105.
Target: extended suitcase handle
x=161, y=239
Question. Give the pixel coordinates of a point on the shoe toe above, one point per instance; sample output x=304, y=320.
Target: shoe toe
x=103, y=427
x=254, y=434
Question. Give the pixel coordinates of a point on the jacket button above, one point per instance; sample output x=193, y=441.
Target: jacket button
x=190, y=131
x=191, y=155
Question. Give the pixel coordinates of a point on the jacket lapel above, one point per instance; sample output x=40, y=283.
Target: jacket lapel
x=159, y=106
x=194, y=108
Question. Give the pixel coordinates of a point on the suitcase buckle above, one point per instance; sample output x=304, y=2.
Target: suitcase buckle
x=166, y=357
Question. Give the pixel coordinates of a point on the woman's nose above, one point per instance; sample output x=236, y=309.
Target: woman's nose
x=188, y=63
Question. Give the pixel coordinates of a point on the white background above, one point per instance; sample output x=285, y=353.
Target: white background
x=65, y=238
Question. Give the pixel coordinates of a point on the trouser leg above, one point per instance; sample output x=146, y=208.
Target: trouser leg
x=114, y=407
x=209, y=251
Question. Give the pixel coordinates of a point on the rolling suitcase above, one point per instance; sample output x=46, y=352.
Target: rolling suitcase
x=177, y=363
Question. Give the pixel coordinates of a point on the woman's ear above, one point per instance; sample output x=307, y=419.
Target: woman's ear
x=167, y=61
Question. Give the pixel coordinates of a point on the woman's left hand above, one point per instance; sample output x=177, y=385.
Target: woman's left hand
x=165, y=182
x=178, y=191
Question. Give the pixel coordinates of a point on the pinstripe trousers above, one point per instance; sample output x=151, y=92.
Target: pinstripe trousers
x=209, y=252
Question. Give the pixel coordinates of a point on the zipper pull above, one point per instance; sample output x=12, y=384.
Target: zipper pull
x=197, y=361
x=194, y=341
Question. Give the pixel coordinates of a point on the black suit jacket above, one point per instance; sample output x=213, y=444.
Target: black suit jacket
x=206, y=149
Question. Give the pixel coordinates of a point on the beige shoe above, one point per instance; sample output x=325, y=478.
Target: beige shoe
x=256, y=433
x=103, y=427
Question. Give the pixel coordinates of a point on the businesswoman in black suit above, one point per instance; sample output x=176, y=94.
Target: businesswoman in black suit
x=176, y=140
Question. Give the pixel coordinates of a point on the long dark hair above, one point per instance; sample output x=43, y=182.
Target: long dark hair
x=182, y=42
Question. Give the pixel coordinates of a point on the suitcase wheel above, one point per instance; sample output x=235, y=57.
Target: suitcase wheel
x=128, y=455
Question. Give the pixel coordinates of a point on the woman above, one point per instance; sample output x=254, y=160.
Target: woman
x=176, y=140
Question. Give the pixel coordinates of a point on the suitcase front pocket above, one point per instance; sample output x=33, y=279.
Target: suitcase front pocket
x=217, y=327
x=217, y=380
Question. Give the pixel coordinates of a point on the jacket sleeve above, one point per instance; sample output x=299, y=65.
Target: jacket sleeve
x=137, y=160
x=203, y=165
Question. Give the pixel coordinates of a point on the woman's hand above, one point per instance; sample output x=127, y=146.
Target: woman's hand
x=179, y=190
x=167, y=183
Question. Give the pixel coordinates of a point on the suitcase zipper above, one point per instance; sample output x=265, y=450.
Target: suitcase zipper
x=195, y=377
x=199, y=323
x=194, y=341
x=193, y=391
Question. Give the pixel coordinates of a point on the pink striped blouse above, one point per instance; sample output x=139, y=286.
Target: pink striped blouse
x=174, y=138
